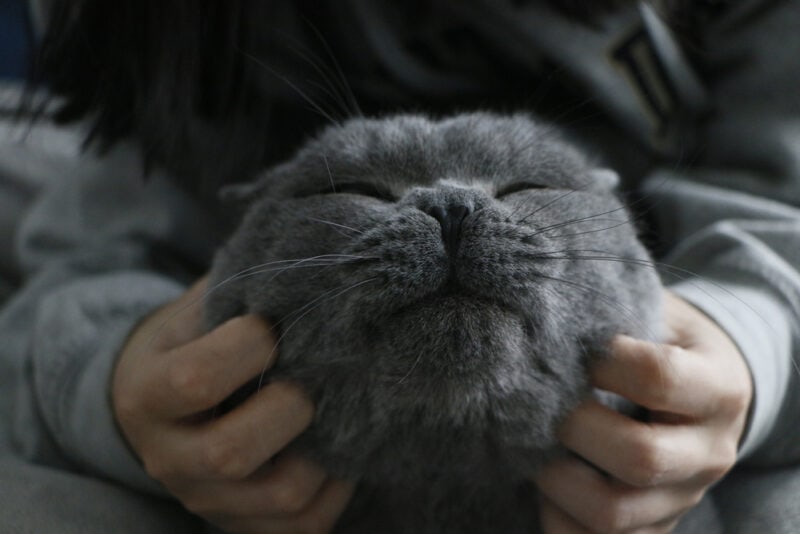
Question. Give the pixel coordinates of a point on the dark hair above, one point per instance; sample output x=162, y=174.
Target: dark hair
x=176, y=78
x=169, y=75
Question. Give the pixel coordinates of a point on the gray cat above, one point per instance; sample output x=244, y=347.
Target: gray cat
x=440, y=287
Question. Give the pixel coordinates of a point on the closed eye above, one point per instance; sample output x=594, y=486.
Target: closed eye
x=517, y=187
x=366, y=189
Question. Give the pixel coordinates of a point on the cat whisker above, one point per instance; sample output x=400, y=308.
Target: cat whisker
x=575, y=221
x=617, y=224
x=306, y=309
x=327, y=260
x=333, y=83
x=607, y=298
x=336, y=225
x=411, y=370
x=683, y=275
x=323, y=260
x=332, y=96
x=338, y=75
x=330, y=174
x=545, y=206
x=308, y=264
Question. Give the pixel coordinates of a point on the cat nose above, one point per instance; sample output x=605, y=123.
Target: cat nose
x=451, y=219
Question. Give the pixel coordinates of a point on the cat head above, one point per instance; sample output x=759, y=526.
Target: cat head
x=448, y=279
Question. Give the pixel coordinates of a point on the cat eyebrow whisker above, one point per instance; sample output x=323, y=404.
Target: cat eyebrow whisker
x=347, y=95
x=331, y=85
x=314, y=105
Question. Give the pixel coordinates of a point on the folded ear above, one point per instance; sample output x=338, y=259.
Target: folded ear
x=243, y=194
x=605, y=179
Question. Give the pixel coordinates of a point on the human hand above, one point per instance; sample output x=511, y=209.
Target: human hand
x=227, y=468
x=642, y=476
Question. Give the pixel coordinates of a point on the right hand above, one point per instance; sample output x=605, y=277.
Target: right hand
x=226, y=468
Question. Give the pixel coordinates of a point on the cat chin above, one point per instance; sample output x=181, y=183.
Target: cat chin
x=451, y=332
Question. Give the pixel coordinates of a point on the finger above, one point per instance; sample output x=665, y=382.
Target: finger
x=556, y=521
x=236, y=444
x=684, y=322
x=199, y=375
x=601, y=504
x=553, y=520
x=177, y=322
x=639, y=453
x=320, y=516
x=290, y=485
x=663, y=378
x=284, y=488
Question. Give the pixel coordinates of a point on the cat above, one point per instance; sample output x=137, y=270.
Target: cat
x=440, y=287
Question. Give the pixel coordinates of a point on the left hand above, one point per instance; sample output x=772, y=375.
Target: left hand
x=641, y=476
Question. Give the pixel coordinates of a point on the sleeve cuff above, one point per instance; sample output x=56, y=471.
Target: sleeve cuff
x=756, y=322
x=80, y=330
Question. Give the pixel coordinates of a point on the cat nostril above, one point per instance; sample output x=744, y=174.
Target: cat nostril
x=451, y=219
x=438, y=213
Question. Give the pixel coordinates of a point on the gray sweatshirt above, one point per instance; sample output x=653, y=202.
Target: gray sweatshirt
x=98, y=248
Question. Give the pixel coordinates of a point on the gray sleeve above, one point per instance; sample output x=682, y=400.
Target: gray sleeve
x=732, y=223
x=95, y=250
x=737, y=259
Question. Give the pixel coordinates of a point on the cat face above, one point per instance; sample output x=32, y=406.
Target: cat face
x=439, y=286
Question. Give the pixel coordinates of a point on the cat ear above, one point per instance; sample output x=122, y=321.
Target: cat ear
x=242, y=194
x=603, y=179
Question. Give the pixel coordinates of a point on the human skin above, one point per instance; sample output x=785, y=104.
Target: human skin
x=226, y=468
x=637, y=476
x=626, y=475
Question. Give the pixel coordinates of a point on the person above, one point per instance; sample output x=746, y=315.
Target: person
x=108, y=373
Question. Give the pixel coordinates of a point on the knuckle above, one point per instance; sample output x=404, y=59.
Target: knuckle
x=296, y=400
x=224, y=459
x=737, y=396
x=656, y=373
x=190, y=382
x=616, y=516
x=662, y=363
x=257, y=327
x=724, y=460
x=694, y=500
x=287, y=498
x=649, y=461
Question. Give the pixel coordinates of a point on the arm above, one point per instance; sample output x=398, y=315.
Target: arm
x=742, y=271
x=85, y=248
x=734, y=256
x=696, y=385
x=227, y=467
x=95, y=331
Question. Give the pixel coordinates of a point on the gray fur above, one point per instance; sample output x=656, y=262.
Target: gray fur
x=440, y=362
